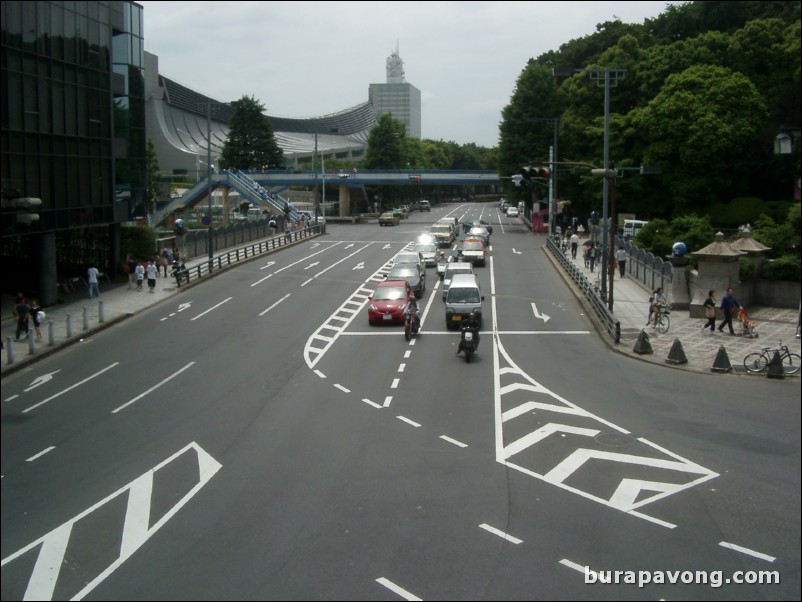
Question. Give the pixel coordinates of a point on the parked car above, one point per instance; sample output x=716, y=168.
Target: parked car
x=408, y=272
x=424, y=206
x=388, y=302
x=389, y=219
x=512, y=211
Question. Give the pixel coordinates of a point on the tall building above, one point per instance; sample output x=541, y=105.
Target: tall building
x=397, y=97
x=73, y=137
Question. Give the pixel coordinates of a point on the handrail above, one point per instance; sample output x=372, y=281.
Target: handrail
x=603, y=314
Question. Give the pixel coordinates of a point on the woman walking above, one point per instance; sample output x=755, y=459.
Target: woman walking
x=710, y=311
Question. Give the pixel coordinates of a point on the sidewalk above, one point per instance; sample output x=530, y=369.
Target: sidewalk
x=118, y=302
x=700, y=348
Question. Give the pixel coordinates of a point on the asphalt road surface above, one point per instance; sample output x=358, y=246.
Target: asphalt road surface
x=255, y=439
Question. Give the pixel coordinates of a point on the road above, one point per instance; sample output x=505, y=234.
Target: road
x=254, y=438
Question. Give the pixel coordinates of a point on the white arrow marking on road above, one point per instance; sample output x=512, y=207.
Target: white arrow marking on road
x=317, y=244
x=359, y=266
x=387, y=246
x=517, y=252
x=349, y=246
x=184, y=306
x=269, y=263
x=311, y=265
x=40, y=380
x=539, y=315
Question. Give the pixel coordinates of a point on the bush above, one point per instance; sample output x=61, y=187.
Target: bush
x=785, y=268
x=746, y=271
x=138, y=242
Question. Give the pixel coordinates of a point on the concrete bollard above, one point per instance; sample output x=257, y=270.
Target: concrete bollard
x=9, y=351
x=722, y=361
x=86, y=318
x=677, y=354
x=100, y=310
x=642, y=345
x=31, y=344
x=51, y=333
x=69, y=325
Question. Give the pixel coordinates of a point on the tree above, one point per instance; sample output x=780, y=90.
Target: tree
x=153, y=186
x=385, y=144
x=250, y=143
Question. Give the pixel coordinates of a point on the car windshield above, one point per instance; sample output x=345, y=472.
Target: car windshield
x=478, y=231
x=463, y=295
x=473, y=246
x=450, y=273
x=389, y=293
x=425, y=248
x=441, y=228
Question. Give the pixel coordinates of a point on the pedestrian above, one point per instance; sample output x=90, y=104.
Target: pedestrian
x=710, y=311
x=139, y=271
x=574, y=244
x=586, y=253
x=621, y=258
x=152, y=271
x=593, y=255
x=94, y=288
x=272, y=226
x=37, y=315
x=129, y=267
x=729, y=307
x=22, y=312
x=163, y=261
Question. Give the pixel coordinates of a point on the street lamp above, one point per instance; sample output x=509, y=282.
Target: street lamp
x=555, y=122
x=610, y=77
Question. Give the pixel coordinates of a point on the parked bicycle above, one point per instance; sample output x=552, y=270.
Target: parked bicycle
x=758, y=362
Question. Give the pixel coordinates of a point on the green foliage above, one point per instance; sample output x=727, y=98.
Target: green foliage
x=783, y=238
x=138, y=242
x=746, y=269
x=655, y=237
x=386, y=144
x=786, y=268
x=250, y=143
x=659, y=236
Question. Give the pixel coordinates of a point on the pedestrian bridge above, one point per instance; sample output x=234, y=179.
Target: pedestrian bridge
x=264, y=188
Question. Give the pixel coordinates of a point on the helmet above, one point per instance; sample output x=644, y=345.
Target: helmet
x=473, y=314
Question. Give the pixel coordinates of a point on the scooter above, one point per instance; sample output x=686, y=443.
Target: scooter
x=180, y=271
x=468, y=343
x=411, y=324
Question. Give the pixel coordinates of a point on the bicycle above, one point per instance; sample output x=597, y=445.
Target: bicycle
x=758, y=362
x=662, y=323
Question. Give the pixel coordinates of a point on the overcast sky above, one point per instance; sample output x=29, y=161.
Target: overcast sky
x=305, y=59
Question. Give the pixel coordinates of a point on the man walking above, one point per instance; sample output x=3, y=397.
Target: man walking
x=729, y=307
x=94, y=289
x=621, y=258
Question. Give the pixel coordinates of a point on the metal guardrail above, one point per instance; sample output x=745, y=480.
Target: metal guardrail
x=599, y=306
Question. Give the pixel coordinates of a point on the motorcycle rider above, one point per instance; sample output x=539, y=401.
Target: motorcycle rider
x=470, y=323
x=414, y=311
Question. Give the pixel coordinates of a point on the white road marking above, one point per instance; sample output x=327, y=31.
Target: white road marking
x=401, y=367
x=387, y=401
x=343, y=389
x=320, y=374
x=539, y=315
x=153, y=388
x=502, y=534
x=395, y=382
x=408, y=421
x=737, y=548
x=211, y=308
x=78, y=384
x=40, y=380
x=573, y=565
x=372, y=403
x=396, y=589
x=41, y=453
x=276, y=303
x=454, y=441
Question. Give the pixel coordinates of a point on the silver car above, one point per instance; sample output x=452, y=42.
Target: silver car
x=428, y=251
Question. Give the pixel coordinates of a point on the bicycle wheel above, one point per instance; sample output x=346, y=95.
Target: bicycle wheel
x=791, y=363
x=755, y=362
x=663, y=324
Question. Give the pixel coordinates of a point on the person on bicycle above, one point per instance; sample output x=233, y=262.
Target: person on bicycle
x=659, y=302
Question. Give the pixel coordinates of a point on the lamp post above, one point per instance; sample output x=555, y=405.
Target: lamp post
x=555, y=123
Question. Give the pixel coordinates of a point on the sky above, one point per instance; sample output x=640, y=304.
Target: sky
x=307, y=59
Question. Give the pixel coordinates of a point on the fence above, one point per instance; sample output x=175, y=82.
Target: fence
x=646, y=268
x=590, y=291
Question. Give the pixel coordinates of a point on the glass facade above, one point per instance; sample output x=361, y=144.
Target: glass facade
x=72, y=114
x=402, y=100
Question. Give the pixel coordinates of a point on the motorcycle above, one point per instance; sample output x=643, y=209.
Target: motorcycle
x=411, y=324
x=441, y=268
x=468, y=339
x=180, y=271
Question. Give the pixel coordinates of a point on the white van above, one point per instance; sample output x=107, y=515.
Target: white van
x=255, y=213
x=463, y=298
x=452, y=269
x=632, y=227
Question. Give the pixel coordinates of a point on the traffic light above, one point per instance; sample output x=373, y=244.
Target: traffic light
x=529, y=172
x=27, y=207
x=517, y=179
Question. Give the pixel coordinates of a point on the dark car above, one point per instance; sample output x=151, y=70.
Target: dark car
x=388, y=302
x=413, y=277
x=480, y=223
x=480, y=232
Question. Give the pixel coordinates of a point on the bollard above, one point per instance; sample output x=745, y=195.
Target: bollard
x=69, y=325
x=642, y=345
x=722, y=361
x=677, y=354
x=9, y=351
x=31, y=345
x=51, y=333
x=776, y=369
x=86, y=319
x=100, y=311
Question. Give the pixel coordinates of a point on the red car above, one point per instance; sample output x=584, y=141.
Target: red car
x=388, y=302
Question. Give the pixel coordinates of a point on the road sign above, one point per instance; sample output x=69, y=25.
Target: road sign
x=206, y=220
